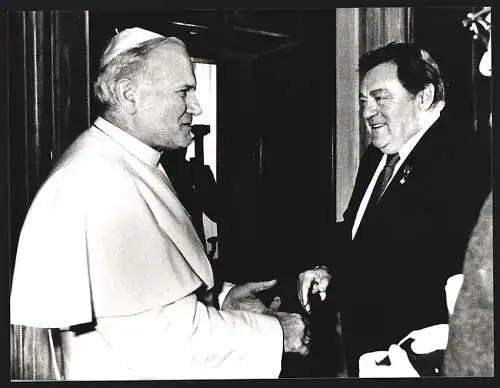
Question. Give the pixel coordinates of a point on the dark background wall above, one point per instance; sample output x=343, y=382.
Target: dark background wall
x=440, y=31
x=469, y=94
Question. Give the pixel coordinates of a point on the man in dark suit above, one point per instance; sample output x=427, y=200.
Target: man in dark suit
x=411, y=210
x=468, y=340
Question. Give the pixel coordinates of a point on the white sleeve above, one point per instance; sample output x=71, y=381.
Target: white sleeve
x=188, y=340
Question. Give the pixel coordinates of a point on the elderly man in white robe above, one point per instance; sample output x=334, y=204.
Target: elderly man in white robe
x=108, y=254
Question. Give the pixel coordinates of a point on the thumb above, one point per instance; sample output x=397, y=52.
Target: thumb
x=261, y=286
x=397, y=355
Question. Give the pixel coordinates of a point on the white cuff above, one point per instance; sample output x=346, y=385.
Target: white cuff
x=226, y=287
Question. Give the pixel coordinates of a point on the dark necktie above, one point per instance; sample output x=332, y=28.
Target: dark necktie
x=384, y=177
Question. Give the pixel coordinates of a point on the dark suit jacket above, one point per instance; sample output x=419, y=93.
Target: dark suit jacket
x=390, y=279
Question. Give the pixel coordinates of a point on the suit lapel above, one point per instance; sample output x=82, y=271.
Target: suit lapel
x=413, y=171
x=424, y=155
x=368, y=165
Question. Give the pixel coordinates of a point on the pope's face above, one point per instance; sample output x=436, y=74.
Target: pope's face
x=390, y=112
x=165, y=99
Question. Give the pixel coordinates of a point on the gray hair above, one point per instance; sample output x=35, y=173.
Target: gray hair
x=125, y=65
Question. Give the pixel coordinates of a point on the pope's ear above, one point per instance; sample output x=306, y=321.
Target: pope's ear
x=426, y=97
x=125, y=91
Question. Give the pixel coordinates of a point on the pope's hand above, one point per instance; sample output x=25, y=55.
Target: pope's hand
x=244, y=297
x=400, y=364
x=314, y=280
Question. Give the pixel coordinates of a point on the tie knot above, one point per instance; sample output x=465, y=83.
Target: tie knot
x=392, y=159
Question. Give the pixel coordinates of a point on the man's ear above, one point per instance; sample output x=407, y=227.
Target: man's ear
x=426, y=97
x=125, y=91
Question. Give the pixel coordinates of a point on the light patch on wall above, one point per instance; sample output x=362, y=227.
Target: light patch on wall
x=206, y=93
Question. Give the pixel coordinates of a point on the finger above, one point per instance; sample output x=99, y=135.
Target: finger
x=409, y=335
x=397, y=355
x=304, y=290
x=322, y=295
x=323, y=283
x=261, y=286
x=304, y=350
x=275, y=304
x=430, y=339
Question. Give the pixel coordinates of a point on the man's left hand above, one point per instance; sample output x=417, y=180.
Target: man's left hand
x=400, y=364
x=244, y=297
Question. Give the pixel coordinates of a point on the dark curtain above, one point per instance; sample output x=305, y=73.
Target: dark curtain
x=48, y=106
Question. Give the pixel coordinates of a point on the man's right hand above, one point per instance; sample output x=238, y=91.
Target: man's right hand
x=314, y=280
x=296, y=334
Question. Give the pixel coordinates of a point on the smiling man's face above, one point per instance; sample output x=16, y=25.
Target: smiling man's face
x=390, y=112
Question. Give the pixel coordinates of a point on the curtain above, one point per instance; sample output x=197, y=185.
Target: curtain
x=48, y=99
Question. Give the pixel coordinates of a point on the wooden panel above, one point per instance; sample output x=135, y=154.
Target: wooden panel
x=397, y=24
x=380, y=26
x=347, y=86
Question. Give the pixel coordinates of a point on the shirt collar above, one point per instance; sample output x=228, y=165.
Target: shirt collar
x=405, y=150
x=131, y=144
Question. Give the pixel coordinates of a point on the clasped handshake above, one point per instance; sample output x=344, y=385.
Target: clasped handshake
x=296, y=327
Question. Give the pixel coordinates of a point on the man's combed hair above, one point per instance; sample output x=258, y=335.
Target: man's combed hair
x=416, y=68
x=124, y=65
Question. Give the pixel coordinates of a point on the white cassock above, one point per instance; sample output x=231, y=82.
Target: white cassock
x=107, y=240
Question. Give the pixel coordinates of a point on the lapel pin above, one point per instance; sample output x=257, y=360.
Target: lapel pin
x=406, y=173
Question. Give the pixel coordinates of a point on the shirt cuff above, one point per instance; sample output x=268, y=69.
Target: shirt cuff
x=226, y=287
